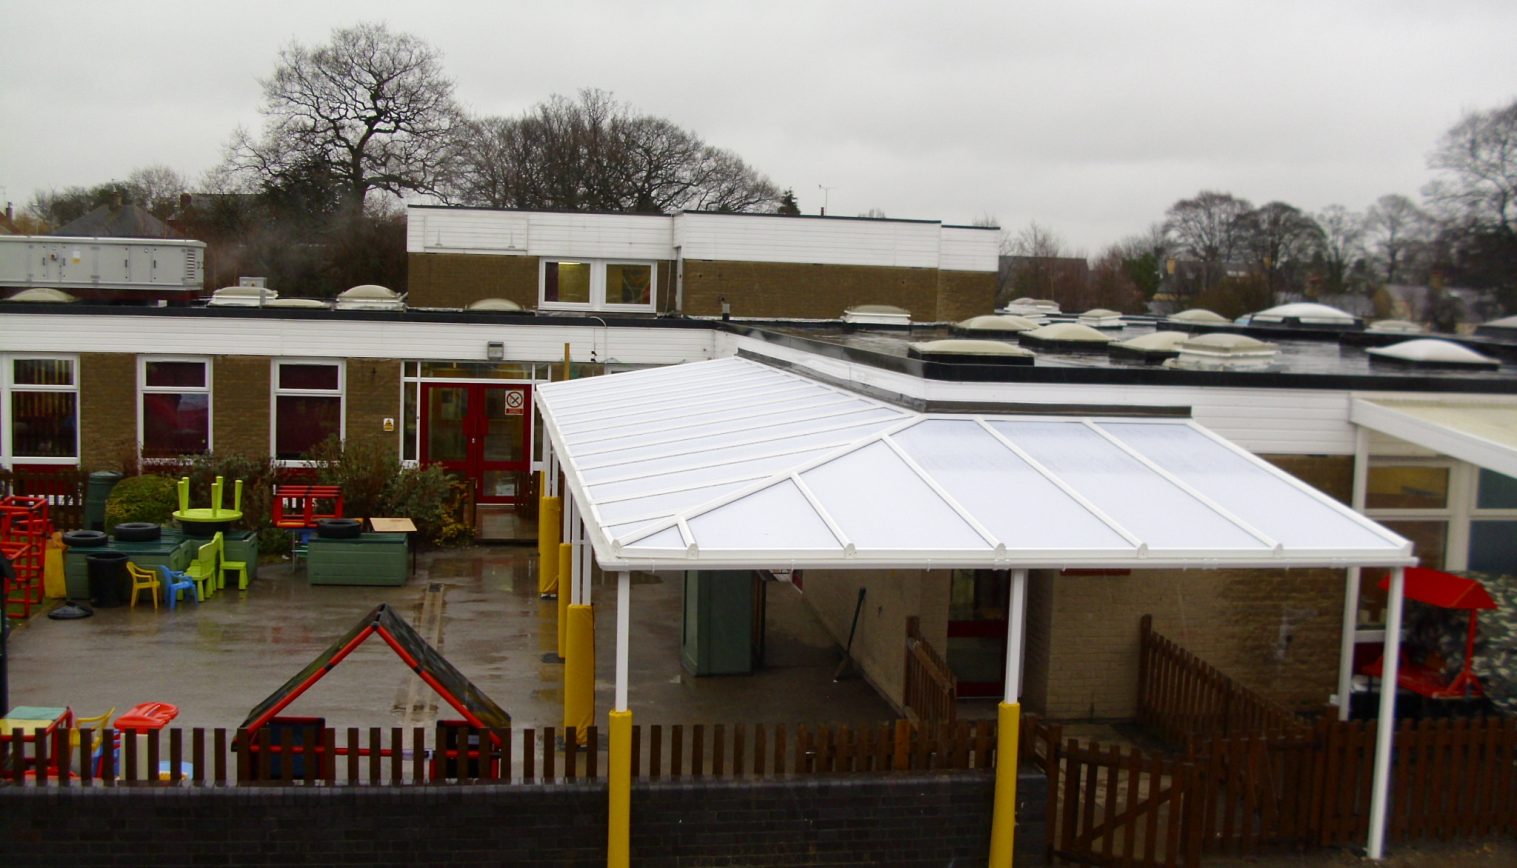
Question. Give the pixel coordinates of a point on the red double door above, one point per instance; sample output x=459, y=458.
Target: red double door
x=480, y=432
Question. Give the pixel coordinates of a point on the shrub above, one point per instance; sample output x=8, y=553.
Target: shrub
x=364, y=467
x=434, y=501
x=141, y=498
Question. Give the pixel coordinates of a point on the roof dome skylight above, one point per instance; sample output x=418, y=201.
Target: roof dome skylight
x=877, y=314
x=1395, y=326
x=494, y=304
x=1433, y=352
x=1303, y=313
x=1199, y=316
x=42, y=295
x=996, y=323
x=971, y=351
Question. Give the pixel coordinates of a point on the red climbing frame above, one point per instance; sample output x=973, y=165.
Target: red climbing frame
x=24, y=531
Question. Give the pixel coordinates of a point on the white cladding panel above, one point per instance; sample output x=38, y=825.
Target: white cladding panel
x=466, y=230
x=827, y=241
x=322, y=338
x=602, y=236
x=535, y=233
x=1263, y=421
x=970, y=249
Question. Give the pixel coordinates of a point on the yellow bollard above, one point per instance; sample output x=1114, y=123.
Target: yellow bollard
x=549, y=517
x=565, y=567
x=619, y=820
x=579, y=671
x=1003, y=825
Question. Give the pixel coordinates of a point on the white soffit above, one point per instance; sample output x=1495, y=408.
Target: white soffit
x=735, y=464
x=1482, y=433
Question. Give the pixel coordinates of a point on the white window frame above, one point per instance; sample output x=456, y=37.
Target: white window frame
x=8, y=387
x=597, y=285
x=1460, y=511
x=275, y=393
x=144, y=389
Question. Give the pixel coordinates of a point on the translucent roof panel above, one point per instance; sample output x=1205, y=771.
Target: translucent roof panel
x=736, y=464
x=880, y=503
x=1293, y=516
x=1159, y=512
x=1024, y=509
x=775, y=518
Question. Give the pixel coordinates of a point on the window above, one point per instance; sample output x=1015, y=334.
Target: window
x=41, y=410
x=598, y=284
x=307, y=406
x=175, y=411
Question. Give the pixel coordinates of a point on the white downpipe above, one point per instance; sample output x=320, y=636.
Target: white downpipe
x=572, y=514
x=623, y=628
x=585, y=554
x=1016, y=635
x=1386, y=725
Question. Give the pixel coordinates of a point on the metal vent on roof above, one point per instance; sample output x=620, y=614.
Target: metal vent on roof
x=977, y=352
x=1220, y=351
x=1432, y=353
x=42, y=295
x=995, y=324
x=877, y=314
x=1067, y=336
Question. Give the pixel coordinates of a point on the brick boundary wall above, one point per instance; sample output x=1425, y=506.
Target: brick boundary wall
x=892, y=819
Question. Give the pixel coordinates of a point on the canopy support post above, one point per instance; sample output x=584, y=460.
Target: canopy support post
x=1385, y=726
x=619, y=833
x=1009, y=720
x=1351, y=583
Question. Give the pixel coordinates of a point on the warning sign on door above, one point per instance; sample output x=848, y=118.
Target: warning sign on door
x=515, y=403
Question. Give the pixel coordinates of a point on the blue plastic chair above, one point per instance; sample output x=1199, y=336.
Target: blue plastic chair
x=175, y=581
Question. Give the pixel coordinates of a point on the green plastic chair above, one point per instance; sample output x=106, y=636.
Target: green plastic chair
x=238, y=567
x=202, y=570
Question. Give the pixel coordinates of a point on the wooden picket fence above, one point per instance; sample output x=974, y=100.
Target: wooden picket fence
x=931, y=693
x=403, y=757
x=64, y=489
x=1181, y=696
x=1247, y=795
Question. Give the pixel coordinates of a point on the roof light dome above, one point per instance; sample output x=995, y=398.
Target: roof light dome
x=504, y=305
x=993, y=323
x=370, y=296
x=1152, y=348
x=1070, y=336
x=1101, y=318
x=877, y=314
x=1224, y=351
x=1396, y=326
x=1199, y=316
x=1304, y=313
x=1433, y=353
x=962, y=350
x=42, y=295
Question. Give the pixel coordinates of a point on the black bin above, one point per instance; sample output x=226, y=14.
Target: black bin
x=110, y=583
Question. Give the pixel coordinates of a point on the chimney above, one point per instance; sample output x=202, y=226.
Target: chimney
x=9, y=213
x=184, y=202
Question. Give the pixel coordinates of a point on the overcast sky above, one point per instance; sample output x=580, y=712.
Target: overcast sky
x=1090, y=118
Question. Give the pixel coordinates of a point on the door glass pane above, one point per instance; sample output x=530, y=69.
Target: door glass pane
x=505, y=426
x=499, y=483
x=447, y=410
x=1493, y=547
x=1497, y=491
x=566, y=282
x=629, y=284
x=1407, y=487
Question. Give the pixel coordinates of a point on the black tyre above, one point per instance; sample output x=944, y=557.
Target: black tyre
x=338, y=528
x=138, y=531
x=84, y=538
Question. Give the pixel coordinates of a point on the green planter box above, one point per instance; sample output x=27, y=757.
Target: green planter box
x=172, y=549
x=242, y=545
x=371, y=559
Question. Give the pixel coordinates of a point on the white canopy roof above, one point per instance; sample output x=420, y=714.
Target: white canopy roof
x=734, y=464
x=1480, y=432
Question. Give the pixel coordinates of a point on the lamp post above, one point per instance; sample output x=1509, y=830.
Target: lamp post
x=826, y=194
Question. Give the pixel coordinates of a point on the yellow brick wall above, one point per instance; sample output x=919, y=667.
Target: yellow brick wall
x=963, y=294
x=759, y=289
x=373, y=395
x=107, y=409
x=240, y=399
x=456, y=279
x=890, y=597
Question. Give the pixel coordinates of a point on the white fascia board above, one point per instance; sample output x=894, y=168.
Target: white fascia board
x=1432, y=435
x=667, y=559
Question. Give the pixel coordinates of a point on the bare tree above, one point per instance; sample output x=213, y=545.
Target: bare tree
x=1341, y=250
x=594, y=154
x=371, y=110
x=1395, y=227
x=1477, y=162
x=1279, y=240
x=1209, y=228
